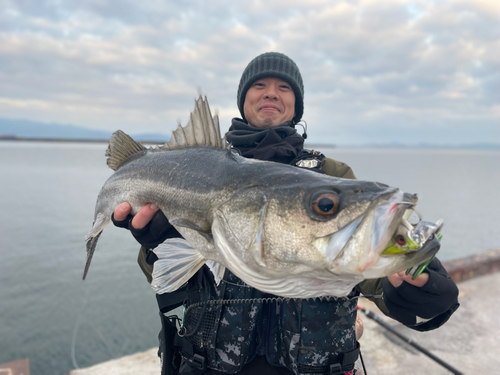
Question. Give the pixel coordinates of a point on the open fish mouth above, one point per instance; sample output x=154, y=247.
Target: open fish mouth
x=412, y=237
x=351, y=248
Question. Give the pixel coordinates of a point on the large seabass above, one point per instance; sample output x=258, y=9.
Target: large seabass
x=281, y=229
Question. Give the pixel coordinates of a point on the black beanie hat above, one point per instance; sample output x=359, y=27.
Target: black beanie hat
x=273, y=64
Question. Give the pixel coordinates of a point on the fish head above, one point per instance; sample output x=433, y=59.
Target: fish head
x=318, y=224
x=343, y=227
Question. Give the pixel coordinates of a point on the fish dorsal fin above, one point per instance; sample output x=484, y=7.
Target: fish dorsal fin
x=201, y=130
x=121, y=147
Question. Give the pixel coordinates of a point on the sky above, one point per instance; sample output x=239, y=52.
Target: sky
x=374, y=71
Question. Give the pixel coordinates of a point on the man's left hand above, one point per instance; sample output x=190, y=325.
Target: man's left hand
x=424, y=303
x=398, y=278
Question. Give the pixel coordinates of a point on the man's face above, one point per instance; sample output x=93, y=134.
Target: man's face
x=269, y=102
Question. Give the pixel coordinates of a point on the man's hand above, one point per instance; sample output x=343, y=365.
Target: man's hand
x=150, y=226
x=398, y=278
x=141, y=219
x=424, y=303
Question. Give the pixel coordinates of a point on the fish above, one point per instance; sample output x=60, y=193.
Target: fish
x=281, y=229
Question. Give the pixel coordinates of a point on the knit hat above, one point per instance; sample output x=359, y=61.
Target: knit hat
x=273, y=64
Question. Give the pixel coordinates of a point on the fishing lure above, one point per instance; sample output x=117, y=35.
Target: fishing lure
x=412, y=237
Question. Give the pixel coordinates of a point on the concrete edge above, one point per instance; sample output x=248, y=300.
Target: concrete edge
x=475, y=265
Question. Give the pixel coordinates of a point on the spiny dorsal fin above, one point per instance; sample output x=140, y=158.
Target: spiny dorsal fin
x=201, y=130
x=121, y=147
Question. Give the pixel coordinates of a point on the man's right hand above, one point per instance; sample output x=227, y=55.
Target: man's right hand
x=140, y=220
x=150, y=226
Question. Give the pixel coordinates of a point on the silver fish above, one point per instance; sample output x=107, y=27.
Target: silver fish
x=281, y=229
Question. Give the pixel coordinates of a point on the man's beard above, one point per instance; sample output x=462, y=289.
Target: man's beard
x=268, y=123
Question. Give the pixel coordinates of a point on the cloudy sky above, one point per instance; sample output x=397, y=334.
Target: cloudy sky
x=375, y=71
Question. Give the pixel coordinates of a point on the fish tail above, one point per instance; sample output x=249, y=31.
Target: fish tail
x=93, y=236
x=91, y=244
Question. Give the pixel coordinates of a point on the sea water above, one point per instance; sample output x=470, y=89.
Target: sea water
x=47, y=197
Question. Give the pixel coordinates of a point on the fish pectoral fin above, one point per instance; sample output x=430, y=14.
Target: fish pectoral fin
x=184, y=223
x=121, y=147
x=177, y=263
x=217, y=270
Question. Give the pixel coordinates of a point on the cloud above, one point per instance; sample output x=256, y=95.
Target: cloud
x=373, y=69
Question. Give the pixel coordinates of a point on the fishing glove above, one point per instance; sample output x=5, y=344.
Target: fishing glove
x=427, y=307
x=153, y=234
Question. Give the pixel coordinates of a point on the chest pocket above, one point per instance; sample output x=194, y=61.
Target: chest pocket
x=236, y=334
x=224, y=333
x=313, y=333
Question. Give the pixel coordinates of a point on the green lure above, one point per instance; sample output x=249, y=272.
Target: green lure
x=416, y=271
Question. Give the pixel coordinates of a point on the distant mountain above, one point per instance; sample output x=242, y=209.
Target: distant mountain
x=33, y=129
x=12, y=128
x=478, y=145
x=492, y=146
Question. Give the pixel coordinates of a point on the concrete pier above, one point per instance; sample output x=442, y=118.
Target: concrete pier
x=144, y=363
x=469, y=341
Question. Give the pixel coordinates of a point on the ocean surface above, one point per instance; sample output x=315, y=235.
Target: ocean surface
x=47, y=197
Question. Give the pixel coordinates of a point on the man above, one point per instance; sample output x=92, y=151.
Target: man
x=246, y=331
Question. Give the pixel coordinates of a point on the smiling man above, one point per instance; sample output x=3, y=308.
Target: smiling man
x=269, y=102
x=238, y=332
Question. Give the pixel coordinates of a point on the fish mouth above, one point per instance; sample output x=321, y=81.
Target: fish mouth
x=351, y=248
x=411, y=238
x=425, y=237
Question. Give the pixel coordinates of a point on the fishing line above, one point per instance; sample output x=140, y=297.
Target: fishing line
x=122, y=349
x=75, y=329
x=73, y=340
x=101, y=336
x=106, y=342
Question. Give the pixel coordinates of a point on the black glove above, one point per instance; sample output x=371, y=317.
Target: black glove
x=427, y=307
x=153, y=234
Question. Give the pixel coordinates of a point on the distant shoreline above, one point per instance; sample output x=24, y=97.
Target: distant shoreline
x=309, y=146
x=74, y=140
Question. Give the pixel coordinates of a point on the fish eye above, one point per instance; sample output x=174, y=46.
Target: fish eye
x=325, y=204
